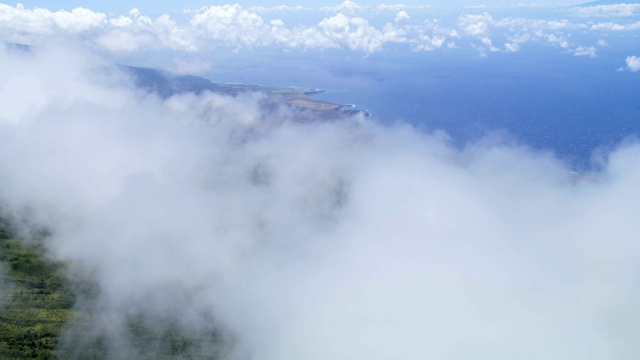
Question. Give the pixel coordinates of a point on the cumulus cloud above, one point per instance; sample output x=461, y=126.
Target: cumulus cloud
x=475, y=25
x=235, y=27
x=611, y=26
x=589, y=51
x=489, y=44
x=392, y=7
x=401, y=16
x=296, y=8
x=532, y=5
x=346, y=5
x=633, y=63
x=41, y=20
x=512, y=47
x=429, y=43
x=558, y=40
x=481, y=6
x=612, y=10
x=314, y=240
x=230, y=24
x=118, y=40
x=397, y=7
x=353, y=33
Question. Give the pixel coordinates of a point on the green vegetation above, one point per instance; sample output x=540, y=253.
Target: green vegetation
x=38, y=320
x=37, y=301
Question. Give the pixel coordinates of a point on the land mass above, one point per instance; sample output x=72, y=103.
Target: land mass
x=299, y=100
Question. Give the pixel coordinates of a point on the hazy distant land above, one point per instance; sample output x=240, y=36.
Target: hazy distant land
x=299, y=100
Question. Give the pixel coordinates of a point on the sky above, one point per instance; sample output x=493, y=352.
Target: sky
x=363, y=238
x=155, y=8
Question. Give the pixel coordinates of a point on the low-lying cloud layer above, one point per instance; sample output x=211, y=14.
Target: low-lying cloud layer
x=342, y=240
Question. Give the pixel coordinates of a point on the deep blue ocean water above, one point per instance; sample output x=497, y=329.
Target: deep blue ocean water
x=539, y=97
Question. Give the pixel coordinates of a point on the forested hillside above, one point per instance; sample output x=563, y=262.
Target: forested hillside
x=36, y=300
x=37, y=297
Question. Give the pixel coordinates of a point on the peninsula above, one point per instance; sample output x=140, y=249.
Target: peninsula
x=299, y=100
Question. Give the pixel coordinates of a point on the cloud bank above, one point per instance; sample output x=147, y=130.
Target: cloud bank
x=347, y=26
x=343, y=240
x=613, y=10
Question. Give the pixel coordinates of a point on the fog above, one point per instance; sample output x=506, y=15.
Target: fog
x=6, y=286
x=315, y=240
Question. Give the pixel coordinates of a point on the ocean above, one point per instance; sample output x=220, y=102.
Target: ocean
x=574, y=107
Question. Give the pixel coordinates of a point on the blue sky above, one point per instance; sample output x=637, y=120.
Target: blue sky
x=157, y=8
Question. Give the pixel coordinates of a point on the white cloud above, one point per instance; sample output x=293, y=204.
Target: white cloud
x=489, y=44
x=429, y=43
x=590, y=51
x=137, y=32
x=230, y=24
x=524, y=24
x=382, y=242
x=396, y=7
x=392, y=7
x=44, y=22
x=611, y=26
x=428, y=36
x=20, y=95
x=237, y=28
x=353, y=33
x=617, y=10
x=512, y=47
x=559, y=40
x=401, y=16
x=475, y=25
x=24, y=94
x=233, y=26
x=481, y=6
x=559, y=24
x=608, y=26
x=519, y=38
x=532, y=5
x=118, y=40
x=296, y=8
x=276, y=23
x=633, y=63
x=345, y=6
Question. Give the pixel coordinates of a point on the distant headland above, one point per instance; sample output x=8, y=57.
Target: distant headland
x=299, y=100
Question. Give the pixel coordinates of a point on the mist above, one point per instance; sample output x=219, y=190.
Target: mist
x=6, y=286
x=315, y=240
